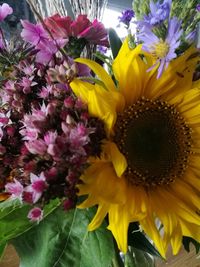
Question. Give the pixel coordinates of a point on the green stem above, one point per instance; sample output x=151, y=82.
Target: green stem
x=129, y=260
x=117, y=260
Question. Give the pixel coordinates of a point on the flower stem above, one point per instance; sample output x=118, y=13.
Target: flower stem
x=117, y=260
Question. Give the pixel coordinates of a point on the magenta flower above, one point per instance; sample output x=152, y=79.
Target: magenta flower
x=15, y=189
x=36, y=147
x=29, y=134
x=95, y=33
x=35, y=214
x=37, y=186
x=33, y=33
x=5, y=10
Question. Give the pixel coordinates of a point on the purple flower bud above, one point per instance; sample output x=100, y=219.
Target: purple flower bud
x=126, y=16
x=198, y=7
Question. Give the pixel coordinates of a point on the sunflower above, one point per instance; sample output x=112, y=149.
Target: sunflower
x=149, y=168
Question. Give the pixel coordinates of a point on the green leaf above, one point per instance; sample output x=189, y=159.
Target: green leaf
x=137, y=240
x=2, y=249
x=186, y=243
x=115, y=42
x=13, y=218
x=62, y=239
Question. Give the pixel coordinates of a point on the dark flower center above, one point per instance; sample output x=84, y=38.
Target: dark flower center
x=155, y=140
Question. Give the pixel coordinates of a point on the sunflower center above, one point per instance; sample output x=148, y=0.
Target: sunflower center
x=161, y=49
x=155, y=140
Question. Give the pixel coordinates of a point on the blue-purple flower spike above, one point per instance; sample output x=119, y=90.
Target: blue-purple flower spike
x=159, y=12
x=126, y=16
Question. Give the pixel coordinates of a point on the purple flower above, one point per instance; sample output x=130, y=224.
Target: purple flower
x=198, y=7
x=15, y=189
x=33, y=34
x=35, y=214
x=162, y=50
x=5, y=10
x=158, y=12
x=102, y=49
x=126, y=16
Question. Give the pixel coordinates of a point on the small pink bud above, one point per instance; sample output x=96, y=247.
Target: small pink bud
x=35, y=214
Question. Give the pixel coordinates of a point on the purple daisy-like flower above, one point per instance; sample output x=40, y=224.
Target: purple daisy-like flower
x=159, y=12
x=126, y=16
x=198, y=7
x=162, y=50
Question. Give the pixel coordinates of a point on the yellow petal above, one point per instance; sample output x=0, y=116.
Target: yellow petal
x=97, y=177
x=148, y=225
x=176, y=79
x=176, y=240
x=131, y=72
x=117, y=158
x=118, y=225
x=91, y=200
x=99, y=217
x=191, y=230
x=101, y=103
x=186, y=193
x=99, y=71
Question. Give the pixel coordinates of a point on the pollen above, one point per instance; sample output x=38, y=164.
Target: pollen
x=160, y=49
x=156, y=141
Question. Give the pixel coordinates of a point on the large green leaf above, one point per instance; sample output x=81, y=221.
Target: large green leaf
x=13, y=218
x=115, y=42
x=2, y=249
x=62, y=240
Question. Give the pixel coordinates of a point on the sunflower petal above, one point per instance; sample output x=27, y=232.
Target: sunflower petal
x=117, y=158
x=97, y=179
x=148, y=225
x=101, y=103
x=99, y=217
x=99, y=71
x=176, y=240
x=118, y=224
x=131, y=72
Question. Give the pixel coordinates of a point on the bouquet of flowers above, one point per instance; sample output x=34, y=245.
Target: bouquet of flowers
x=99, y=156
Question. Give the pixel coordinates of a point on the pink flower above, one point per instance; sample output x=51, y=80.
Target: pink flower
x=79, y=25
x=29, y=134
x=36, y=147
x=95, y=33
x=26, y=83
x=15, y=189
x=59, y=26
x=38, y=183
x=33, y=34
x=47, y=49
x=37, y=187
x=5, y=10
x=45, y=91
x=4, y=118
x=50, y=137
x=35, y=214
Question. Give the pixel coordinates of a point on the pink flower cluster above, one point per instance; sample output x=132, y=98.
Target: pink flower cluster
x=64, y=27
x=45, y=133
x=58, y=32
